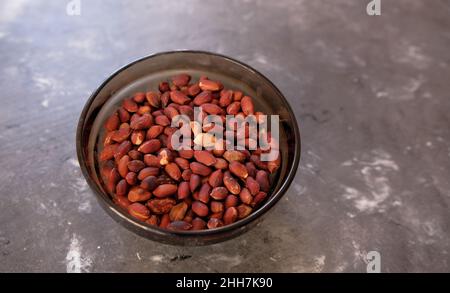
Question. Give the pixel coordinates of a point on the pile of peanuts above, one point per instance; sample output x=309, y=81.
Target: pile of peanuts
x=186, y=189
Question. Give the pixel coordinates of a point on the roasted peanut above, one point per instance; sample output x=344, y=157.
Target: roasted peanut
x=238, y=169
x=210, y=85
x=179, y=225
x=186, y=189
x=161, y=206
x=205, y=158
x=214, y=223
x=202, y=98
x=183, y=190
x=200, y=169
x=204, y=193
x=113, y=122
x=263, y=180
x=164, y=190
x=179, y=97
x=130, y=105
x=198, y=224
x=138, y=194
x=149, y=171
x=216, y=178
x=149, y=183
x=230, y=183
x=139, y=211
x=150, y=146
x=181, y=79
x=173, y=171
x=230, y=215
x=121, y=188
x=246, y=196
x=231, y=156
x=178, y=211
x=194, y=182
x=252, y=185
x=200, y=208
x=153, y=99
x=219, y=193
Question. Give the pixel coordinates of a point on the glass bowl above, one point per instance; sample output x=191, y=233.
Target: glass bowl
x=145, y=74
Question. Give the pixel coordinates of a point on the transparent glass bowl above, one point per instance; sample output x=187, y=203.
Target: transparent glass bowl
x=145, y=74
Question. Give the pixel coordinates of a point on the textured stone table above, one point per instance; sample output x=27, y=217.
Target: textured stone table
x=371, y=95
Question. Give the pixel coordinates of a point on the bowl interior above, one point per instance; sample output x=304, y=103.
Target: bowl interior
x=144, y=75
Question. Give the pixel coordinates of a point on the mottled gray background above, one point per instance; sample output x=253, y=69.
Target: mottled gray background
x=371, y=95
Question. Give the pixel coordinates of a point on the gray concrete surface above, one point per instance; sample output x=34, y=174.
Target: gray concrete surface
x=371, y=95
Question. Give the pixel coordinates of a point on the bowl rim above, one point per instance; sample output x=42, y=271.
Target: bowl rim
x=275, y=197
